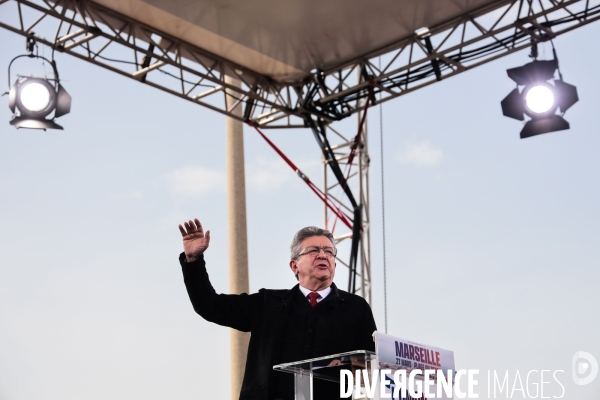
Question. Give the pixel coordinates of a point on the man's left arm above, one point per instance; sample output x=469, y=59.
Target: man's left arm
x=367, y=328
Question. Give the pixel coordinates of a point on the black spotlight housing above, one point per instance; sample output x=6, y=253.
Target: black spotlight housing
x=33, y=99
x=539, y=75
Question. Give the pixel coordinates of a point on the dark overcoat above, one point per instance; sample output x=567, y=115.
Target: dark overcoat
x=345, y=323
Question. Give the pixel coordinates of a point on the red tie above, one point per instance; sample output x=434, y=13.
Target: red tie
x=313, y=296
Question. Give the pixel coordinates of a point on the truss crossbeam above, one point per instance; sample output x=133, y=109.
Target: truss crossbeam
x=100, y=36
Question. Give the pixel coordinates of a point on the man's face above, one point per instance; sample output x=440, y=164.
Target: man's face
x=315, y=271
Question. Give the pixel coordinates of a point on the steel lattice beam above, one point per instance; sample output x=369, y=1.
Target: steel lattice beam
x=356, y=174
x=437, y=53
x=105, y=38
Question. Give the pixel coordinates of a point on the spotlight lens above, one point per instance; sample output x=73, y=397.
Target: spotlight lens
x=539, y=99
x=35, y=96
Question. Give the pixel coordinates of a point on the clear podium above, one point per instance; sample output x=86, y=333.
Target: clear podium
x=327, y=368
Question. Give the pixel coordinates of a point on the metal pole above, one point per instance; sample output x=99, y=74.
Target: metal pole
x=238, y=236
x=363, y=156
x=363, y=195
x=326, y=210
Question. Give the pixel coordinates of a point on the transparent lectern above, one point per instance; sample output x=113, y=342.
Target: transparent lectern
x=327, y=368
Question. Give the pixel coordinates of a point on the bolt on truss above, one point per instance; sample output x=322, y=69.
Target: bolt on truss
x=103, y=37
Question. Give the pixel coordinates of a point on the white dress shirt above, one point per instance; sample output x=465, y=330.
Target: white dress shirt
x=323, y=293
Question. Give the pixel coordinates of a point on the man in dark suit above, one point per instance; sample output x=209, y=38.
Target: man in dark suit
x=312, y=319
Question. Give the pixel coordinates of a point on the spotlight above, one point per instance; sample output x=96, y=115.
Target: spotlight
x=32, y=99
x=542, y=98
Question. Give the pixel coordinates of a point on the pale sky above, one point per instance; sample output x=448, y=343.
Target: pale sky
x=492, y=241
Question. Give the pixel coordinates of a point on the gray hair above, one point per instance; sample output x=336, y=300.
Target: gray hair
x=305, y=233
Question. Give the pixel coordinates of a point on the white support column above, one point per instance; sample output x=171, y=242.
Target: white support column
x=238, y=234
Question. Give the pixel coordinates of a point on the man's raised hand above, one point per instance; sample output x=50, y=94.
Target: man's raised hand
x=195, y=241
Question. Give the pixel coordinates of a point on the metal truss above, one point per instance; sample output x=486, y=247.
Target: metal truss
x=345, y=172
x=113, y=41
x=439, y=52
x=356, y=174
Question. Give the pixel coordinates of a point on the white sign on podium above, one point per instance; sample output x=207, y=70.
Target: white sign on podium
x=395, y=354
x=392, y=353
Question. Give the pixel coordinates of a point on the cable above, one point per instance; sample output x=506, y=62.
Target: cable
x=183, y=80
x=383, y=211
x=160, y=69
x=112, y=59
x=556, y=58
x=347, y=220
